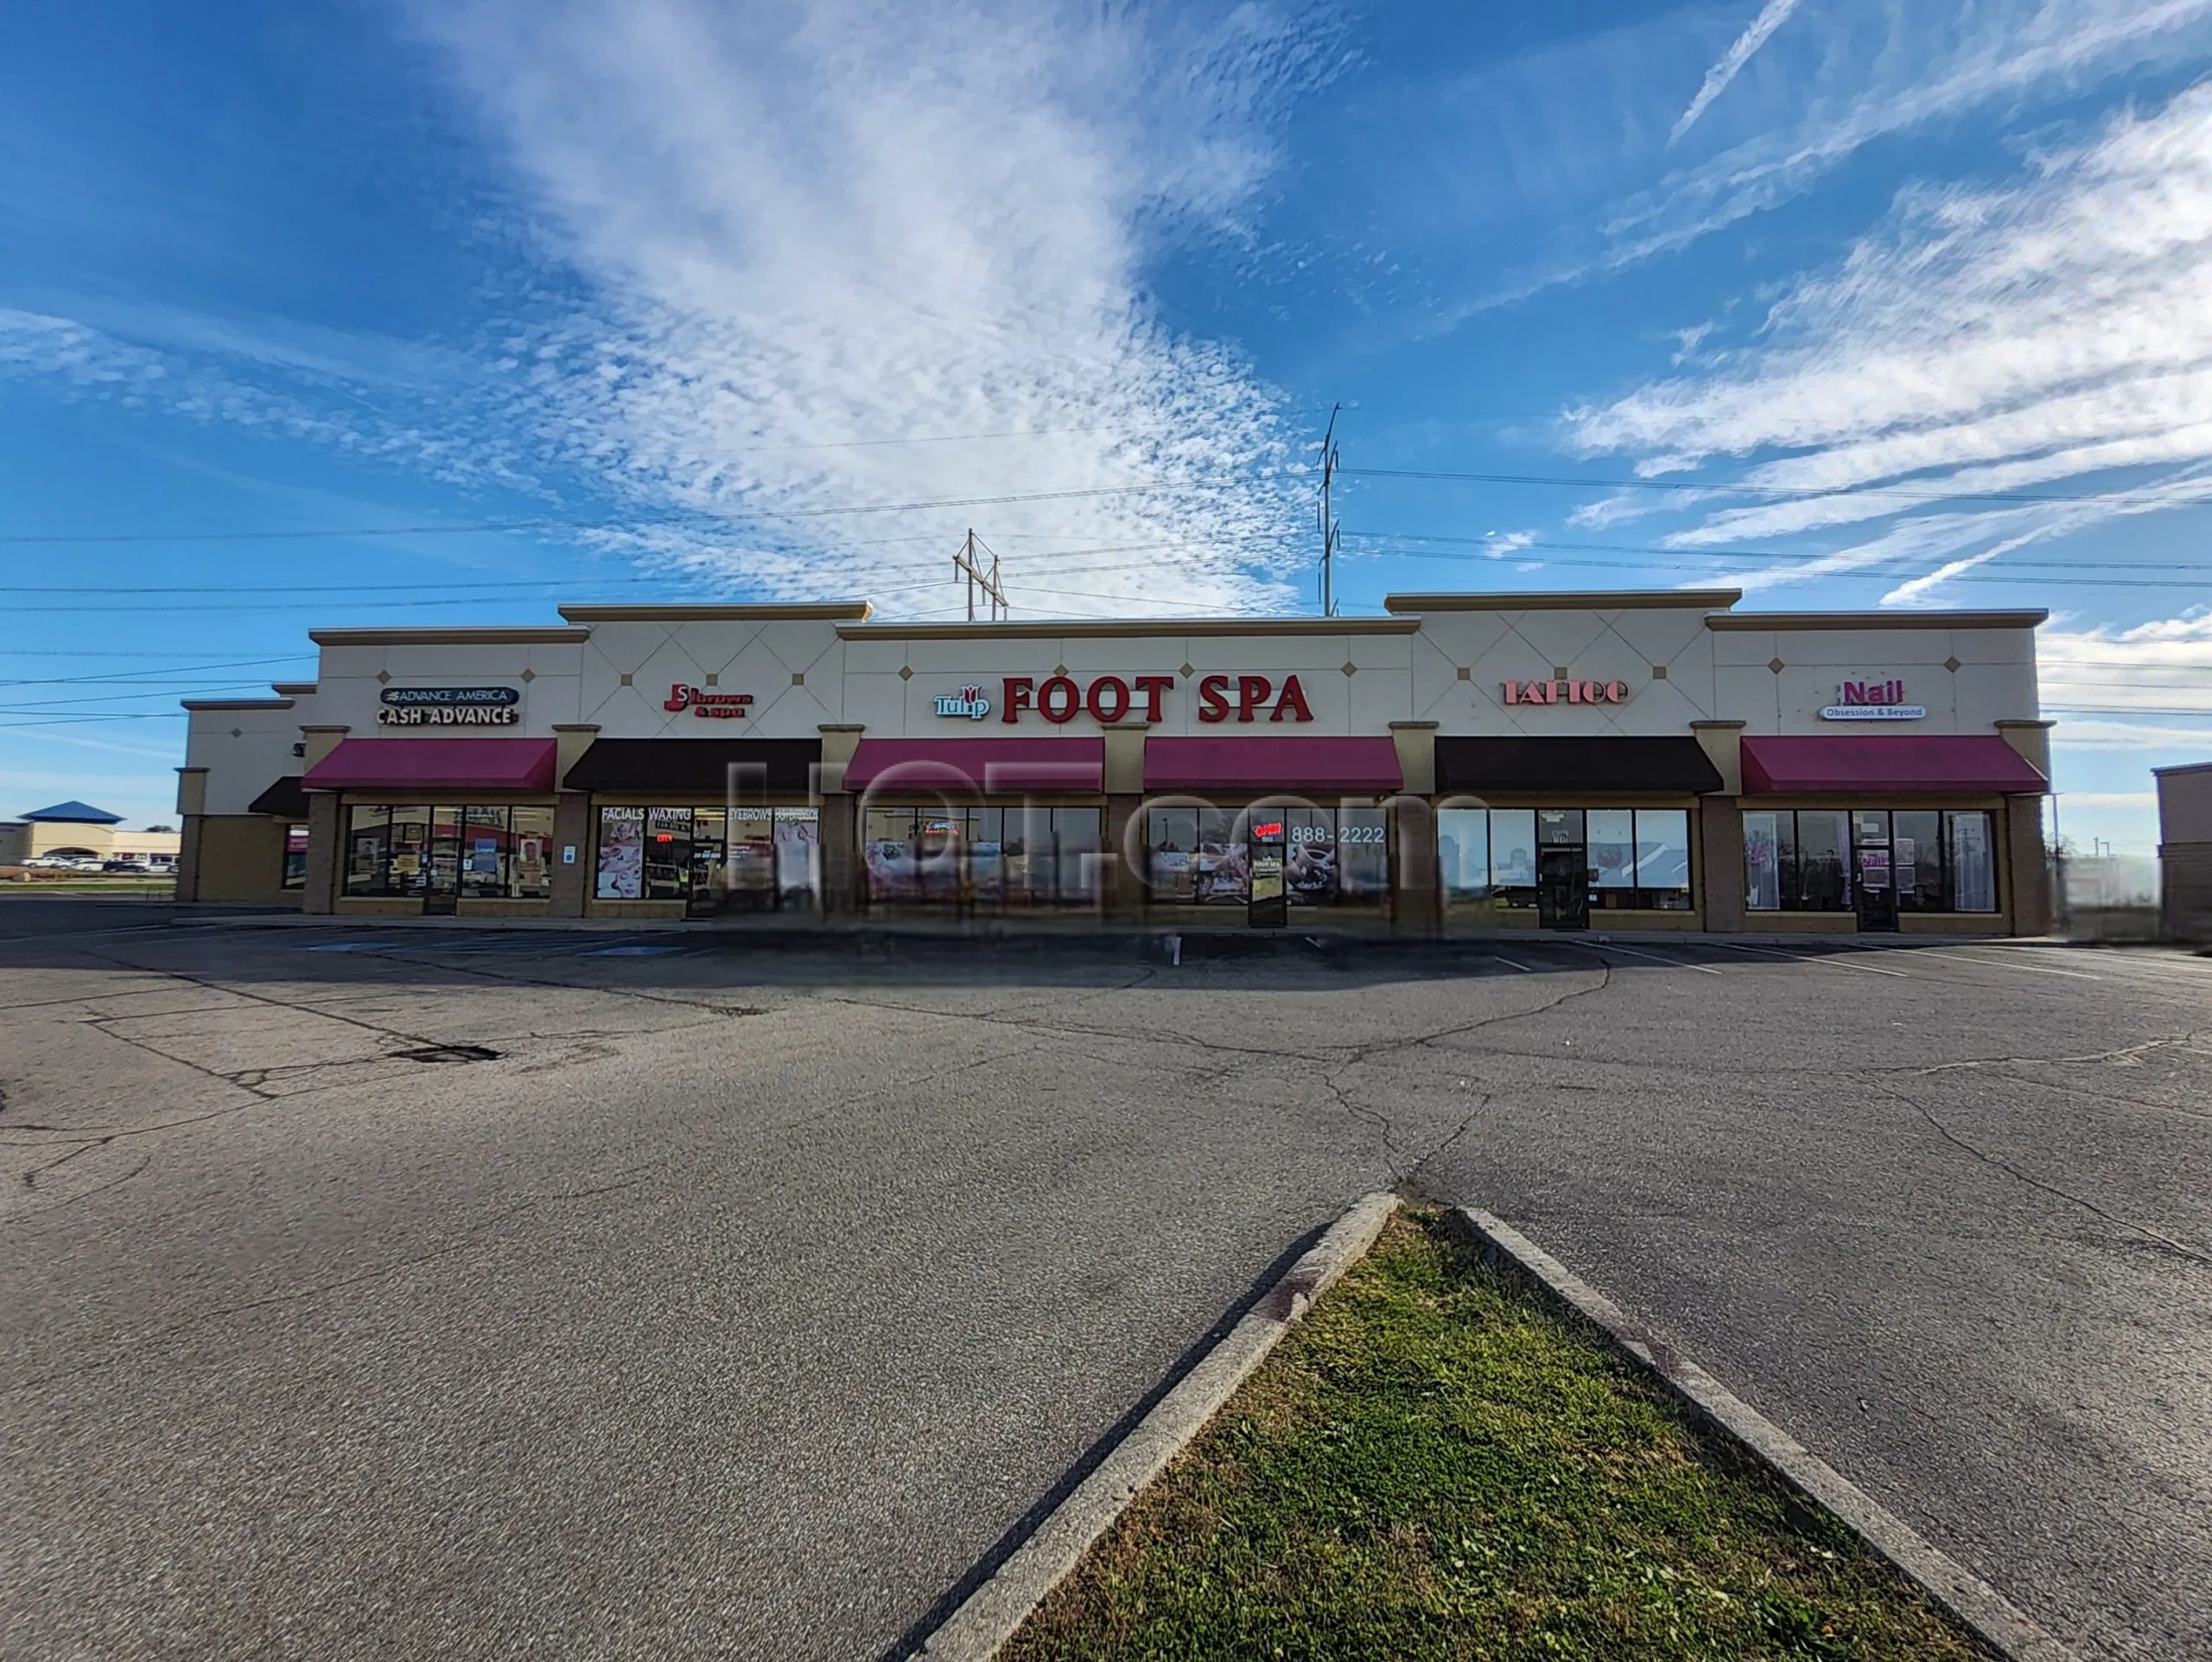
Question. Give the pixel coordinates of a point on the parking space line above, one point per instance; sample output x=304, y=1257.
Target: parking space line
x=1671, y=963
x=1807, y=958
x=2000, y=964
x=1509, y=963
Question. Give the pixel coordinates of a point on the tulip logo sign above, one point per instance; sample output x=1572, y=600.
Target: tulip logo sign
x=969, y=703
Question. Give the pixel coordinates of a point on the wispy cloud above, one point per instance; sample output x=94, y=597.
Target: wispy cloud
x=1770, y=17
x=2160, y=666
x=1983, y=342
x=808, y=228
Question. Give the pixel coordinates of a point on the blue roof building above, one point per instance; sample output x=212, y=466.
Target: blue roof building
x=72, y=813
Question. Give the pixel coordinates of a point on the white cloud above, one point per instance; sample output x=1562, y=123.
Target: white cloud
x=2086, y=734
x=1983, y=342
x=1858, y=74
x=811, y=228
x=1772, y=16
x=2162, y=665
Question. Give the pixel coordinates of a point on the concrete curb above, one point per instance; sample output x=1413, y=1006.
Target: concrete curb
x=988, y=1618
x=1982, y=1608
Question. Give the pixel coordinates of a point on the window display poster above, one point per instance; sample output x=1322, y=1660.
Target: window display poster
x=1224, y=872
x=484, y=857
x=1310, y=869
x=1762, y=863
x=621, y=853
x=797, y=852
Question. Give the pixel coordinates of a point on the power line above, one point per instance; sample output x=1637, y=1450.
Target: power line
x=1507, y=551
x=618, y=523
x=1786, y=491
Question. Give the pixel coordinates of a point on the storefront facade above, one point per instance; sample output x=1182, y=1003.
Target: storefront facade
x=1464, y=763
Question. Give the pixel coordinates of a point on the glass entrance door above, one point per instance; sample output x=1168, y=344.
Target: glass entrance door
x=442, y=890
x=1562, y=870
x=1875, y=891
x=1563, y=889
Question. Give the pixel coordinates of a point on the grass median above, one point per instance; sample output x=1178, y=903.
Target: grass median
x=1440, y=1463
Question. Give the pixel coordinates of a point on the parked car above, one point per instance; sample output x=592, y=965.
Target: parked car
x=46, y=863
x=123, y=865
x=85, y=865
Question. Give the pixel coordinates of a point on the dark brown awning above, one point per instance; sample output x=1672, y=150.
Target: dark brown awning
x=1674, y=766
x=286, y=797
x=695, y=767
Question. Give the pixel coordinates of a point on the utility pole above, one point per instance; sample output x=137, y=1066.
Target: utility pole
x=1328, y=519
x=965, y=564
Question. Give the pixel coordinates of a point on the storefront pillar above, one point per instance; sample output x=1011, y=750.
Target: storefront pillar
x=572, y=877
x=1123, y=888
x=325, y=853
x=1720, y=862
x=2026, y=873
x=1417, y=901
x=839, y=831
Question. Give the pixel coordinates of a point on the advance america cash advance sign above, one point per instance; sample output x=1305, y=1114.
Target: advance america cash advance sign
x=449, y=707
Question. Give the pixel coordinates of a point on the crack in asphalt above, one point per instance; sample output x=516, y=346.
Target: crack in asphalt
x=2158, y=1236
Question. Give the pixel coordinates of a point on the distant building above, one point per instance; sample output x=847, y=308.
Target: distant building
x=81, y=830
x=2185, y=850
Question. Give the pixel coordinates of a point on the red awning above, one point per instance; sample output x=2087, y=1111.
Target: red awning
x=435, y=764
x=1889, y=765
x=1271, y=762
x=967, y=765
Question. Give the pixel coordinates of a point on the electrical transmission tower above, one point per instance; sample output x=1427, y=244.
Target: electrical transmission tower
x=965, y=564
x=1329, y=531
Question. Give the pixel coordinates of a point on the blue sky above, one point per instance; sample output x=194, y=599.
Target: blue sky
x=445, y=313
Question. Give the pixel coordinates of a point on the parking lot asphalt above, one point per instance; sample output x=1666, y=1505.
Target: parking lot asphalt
x=399, y=1291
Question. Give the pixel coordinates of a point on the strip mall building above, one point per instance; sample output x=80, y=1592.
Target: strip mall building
x=1467, y=762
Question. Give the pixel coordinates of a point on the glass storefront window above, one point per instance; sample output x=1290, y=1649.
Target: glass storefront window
x=1224, y=860
x=1799, y=860
x=798, y=857
x=621, y=854
x=484, y=853
x=1917, y=859
x=1363, y=853
x=668, y=854
x=1662, y=857
x=1463, y=852
x=472, y=852
x=988, y=859
x=1764, y=880
x=1635, y=858
x=1513, y=855
x=1172, y=840
x=296, y=856
x=531, y=843
x=368, y=850
x=1823, y=861
x=1611, y=847
x=1974, y=865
